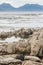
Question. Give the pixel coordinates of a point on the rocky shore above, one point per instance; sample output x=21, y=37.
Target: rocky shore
x=26, y=51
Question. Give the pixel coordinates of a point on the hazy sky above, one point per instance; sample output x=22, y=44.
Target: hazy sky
x=18, y=3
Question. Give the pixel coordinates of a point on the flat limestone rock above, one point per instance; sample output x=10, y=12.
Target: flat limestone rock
x=33, y=58
x=7, y=60
x=15, y=56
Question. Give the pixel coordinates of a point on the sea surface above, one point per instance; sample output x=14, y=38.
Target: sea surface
x=16, y=20
x=10, y=21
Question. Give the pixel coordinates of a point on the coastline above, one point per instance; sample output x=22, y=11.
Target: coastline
x=28, y=50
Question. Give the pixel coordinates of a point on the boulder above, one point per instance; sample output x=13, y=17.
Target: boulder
x=36, y=42
x=7, y=48
x=4, y=35
x=23, y=33
x=7, y=60
x=10, y=59
x=15, y=56
x=32, y=58
x=23, y=46
x=37, y=48
x=10, y=47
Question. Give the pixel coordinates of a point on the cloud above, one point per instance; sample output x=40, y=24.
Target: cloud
x=18, y=3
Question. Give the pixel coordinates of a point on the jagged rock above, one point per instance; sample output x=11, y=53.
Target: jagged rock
x=9, y=59
x=41, y=34
x=4, y=35
x=6, y=48
x=10, y=47
x=28, y=62
x=37, y=43
x=15, y=56
x=32, y=58
x=23, y=46
x=41, y=52
x=36, y=46
x=33, y=45
x=23, y=33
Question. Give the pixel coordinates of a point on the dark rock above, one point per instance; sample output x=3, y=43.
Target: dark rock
x=23, y=33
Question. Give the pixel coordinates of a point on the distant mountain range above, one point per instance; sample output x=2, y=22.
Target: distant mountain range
x=26, y=7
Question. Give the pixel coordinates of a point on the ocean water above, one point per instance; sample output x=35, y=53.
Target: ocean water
x=16, y=20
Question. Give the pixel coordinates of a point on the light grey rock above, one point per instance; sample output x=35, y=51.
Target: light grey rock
x=32, y=58
x=9, y=59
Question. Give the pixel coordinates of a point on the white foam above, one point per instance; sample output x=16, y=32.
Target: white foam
x=11, y=39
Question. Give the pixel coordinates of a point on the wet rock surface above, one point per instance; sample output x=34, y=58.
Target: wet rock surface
x=27, y=51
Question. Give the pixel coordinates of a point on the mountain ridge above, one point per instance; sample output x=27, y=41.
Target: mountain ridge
x=26, y=7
